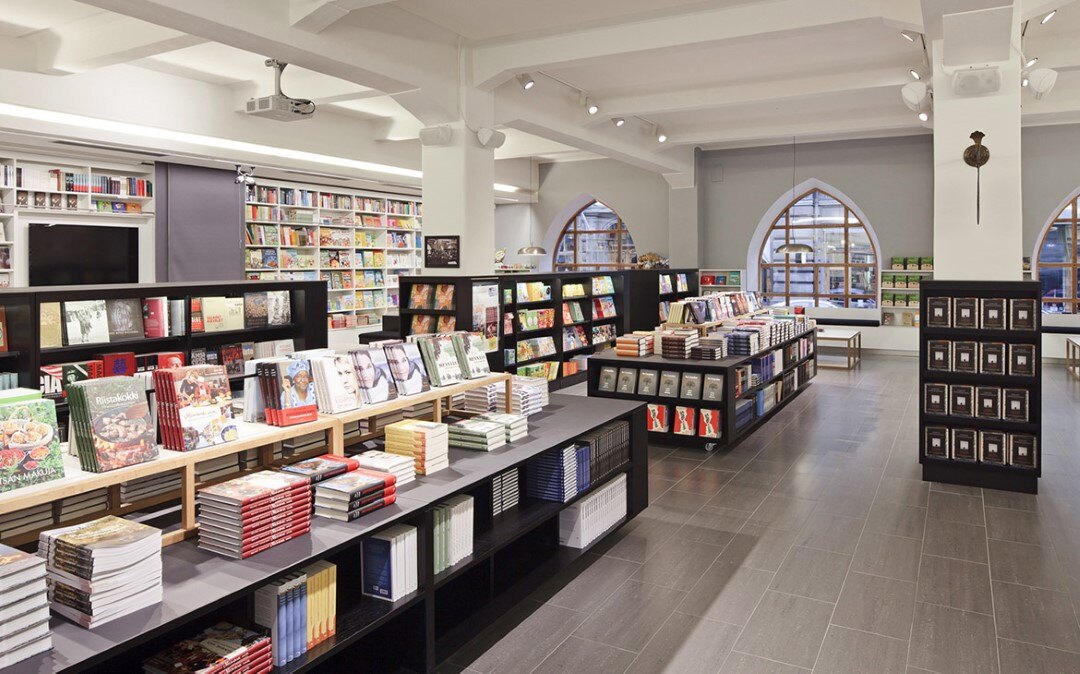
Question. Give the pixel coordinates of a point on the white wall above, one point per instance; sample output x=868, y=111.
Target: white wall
x=513, y=222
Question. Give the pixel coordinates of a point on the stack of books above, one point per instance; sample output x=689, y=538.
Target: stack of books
x=22, y=521
x=194, y=407
x=504, y=491
x=322, y=467
x=355, y=494
x=146, y=487
x=516, y=425
x=388, y=563
x=634, y=345
x=453, y=531
x=441, y=359
x=583, y=522
x=401, y=467
x=425, y=441
x=290, y=391
x=111, y=425
x=678, y=343
x=300, y=611
x=475, y=434
x=583, y=452
x=552, y=476
x=744, y=412
x=254, y=512
x=609, y=448
x=483, y=398
x=710, y=347
x=102, y=570
x=222, y=648
x=743, y=342
x=529, y=395
x=24, y=606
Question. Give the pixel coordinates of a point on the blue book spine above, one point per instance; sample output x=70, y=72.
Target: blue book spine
x=281, y=651
x=290, y=634
x=376, y=568
x=301, y=634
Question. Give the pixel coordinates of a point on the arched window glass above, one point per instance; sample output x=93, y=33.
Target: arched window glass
x=841, y=271
x=1057, y=262
x=595, y=239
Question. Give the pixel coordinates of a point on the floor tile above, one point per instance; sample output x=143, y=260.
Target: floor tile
x=803, y=485
x=956, y=540
x=817, y=574
x=1036, y=616
x=835, y=533
x=678, y=565
x=671, y=468
x=733, y=459
x=1026, y=564
x=715, y=526
x=1016, y=525
x=688, y=645
x=955, y=583
x=874, y=604
x=945, y=639
x=581, y=656
x=994, y=498
x=637, y=540
x=631, y=615
x=781, y=512
x=787, y=629
x=537, y=631
x=658, y=486
x=739, y=497
x=846, y=650
x=758, y=547
x=585, y=587
x=904, y=491
x=841, y=499
x=956, y=508
x=1022, y=658
x=896, y=520
x=704, y=481
x=889, y=556
x=741, y=663
x=961, y=489
x=727, y=593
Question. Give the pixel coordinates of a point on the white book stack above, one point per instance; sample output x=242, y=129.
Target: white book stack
x=483, y=398
x=537, y=384
x=516, y=425
x=388, y=563
x=453, y=531
x=400, y=466
x=584, y=521
x=426, y=442
x=476, y=434
x=24, y=606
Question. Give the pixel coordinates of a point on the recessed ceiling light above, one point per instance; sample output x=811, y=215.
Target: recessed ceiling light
x=915, y=74
x=1049, y=15
x=618, y=121
x=526, y=81
x=593, y=108
x=1031, y=61
x=907, y=36
x=923, y=117
x=1024, y=82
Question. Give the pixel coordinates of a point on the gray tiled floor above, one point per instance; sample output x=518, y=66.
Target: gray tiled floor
x=815, y=545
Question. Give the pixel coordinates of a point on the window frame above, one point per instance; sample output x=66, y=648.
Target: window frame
x=1070, y=302
x=621, y=231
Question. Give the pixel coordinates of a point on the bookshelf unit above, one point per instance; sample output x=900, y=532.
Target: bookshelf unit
x=722, y=280
x=645, y=282
x=981, y=471
x=731, y=434
x=900, y=290
x=513, y=552
x=358, y=243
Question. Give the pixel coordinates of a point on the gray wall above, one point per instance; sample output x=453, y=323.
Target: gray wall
x=1051, y=172
x=512, y=227
x=198, y=224
x=890, y=179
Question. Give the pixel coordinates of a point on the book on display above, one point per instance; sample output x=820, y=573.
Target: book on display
x=29, y=441
x=588, y=519
x=647, y=382
x=709, y=423
x=389, y=563
x=426, y=442
x=373, y=375
x=407, y=368
x=515, y=425
x=476, y=434
x=221, y=648
x=354, y=494
x=111, y=424
x=251, y=513
x=336, y=386
x=290, y=391
x=194, y=407
x=441, y=359
x=102, y=570
x=322, y=467
x=299, y=611
x=401, y=467
x=24, y=606
x=453, y=531
x=656, y=419
x=552, y=476
x=472, y=358
x=504, y=491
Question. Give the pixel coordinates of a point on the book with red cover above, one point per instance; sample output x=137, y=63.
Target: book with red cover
x=254, y=486
x=155, y=317
x=657, y=418
x=118, y=364
x=322, y=467
x=683, y=420
x=709, y=423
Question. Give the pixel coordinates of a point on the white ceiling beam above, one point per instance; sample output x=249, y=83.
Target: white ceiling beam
x=315, y=16
x=367, y=53
x=1037, y=9
x=721, y=135
x=498, y=62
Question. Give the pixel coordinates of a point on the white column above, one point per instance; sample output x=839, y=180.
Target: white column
x=993, y=249
x=458, y=197
x=684, y=233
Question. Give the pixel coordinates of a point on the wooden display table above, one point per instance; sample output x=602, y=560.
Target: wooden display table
x=1072, y=356
x=852, y=342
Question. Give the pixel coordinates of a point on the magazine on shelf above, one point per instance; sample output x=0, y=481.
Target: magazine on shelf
x=125, y=319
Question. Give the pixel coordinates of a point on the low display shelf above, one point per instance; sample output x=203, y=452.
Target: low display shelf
x=513, y=552
x=980, y=384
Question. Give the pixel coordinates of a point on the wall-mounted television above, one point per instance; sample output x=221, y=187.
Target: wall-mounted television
x=61, y=255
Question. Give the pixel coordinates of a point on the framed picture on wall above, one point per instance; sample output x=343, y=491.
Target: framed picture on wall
x=442, y=252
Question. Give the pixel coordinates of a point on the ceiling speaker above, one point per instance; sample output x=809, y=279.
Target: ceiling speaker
x=490, y=137
x=975, y=81
x=436, y=135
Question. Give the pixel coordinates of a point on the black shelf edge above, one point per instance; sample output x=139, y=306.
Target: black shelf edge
x=266, y=329
x=984, y=334
x=975, y=379
x=429, y=312
x=10, y=354
x=105, y=346
x=980, y=423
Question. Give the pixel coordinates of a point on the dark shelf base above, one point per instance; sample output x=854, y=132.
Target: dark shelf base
x=974, y=475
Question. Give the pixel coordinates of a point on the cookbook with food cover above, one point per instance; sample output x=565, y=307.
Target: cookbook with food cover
x=111, y=423
x=29, y=444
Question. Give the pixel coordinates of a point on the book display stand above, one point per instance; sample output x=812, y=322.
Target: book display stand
x=980, y=384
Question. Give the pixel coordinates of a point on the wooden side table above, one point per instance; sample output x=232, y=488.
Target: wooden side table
x=1072, y=356
x=850, y=338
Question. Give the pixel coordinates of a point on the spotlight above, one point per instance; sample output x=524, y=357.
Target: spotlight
x=915, y=74
x=1024, y=82
x=618, y=121
x=1031, y=61
x=916, y=95
x=245, y=177
x=1049, y=15
x=923, y=117
x=1042, y=81
x=526, y=81
x=591, y=107
x=661, y=137
x=910, y=37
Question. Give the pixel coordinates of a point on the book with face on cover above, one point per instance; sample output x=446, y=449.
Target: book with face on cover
x=444, y=296
x=125, y=319
x=373, y=375
x=407, y=368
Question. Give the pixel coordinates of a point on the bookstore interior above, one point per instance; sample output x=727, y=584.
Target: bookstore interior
x=607, y=336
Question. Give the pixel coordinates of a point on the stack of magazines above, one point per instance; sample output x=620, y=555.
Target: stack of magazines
x=219, y=649
x=425, y=441
x=24, y=606
x=102, y=570
x=516, y=425
x=481, y=435
x=400, y=467
x=356, y=493
x=254, y=512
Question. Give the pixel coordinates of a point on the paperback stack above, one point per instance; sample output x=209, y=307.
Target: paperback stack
x=634, y=345
x=453, y=531
x=743, y=342
x=483, y=398
x=102, y=570
x=24, y=606
x=677, y=343
x=609, y=448
x=516, y=425
x=583, y=522
x=223, y=648
x=421, y=411
x=388, y=563
x=710, y=347
x=425, y=441
x=401, y=467
x=22, y=521
x=254, y=512
x=111, y=424
x=289, y=392
x=504, y=491
x=83, y=505
x=322, y=467
x=355, y=494
x=300, y=611
x=552, y=476
x=744, y=412
x=475, y=434
x=146, y=487
x=194, y=407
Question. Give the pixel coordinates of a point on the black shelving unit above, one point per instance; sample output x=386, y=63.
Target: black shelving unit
x=978, y=473
x=513, y=553
x=731, y=435
x=644, y=285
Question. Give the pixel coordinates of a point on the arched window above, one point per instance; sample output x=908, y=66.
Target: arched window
x=1056, y=261
x=595, y=239
x=841, y=271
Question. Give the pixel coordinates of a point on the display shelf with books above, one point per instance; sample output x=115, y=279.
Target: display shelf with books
x=653, y=290
x=980, y=384
x=351, y=240
x=900, y=283
x=424, y=624
x=721, y=280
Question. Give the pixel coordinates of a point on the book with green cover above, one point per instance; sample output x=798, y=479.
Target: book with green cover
x=29, y=444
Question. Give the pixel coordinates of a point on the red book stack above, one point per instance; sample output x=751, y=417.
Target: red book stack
x=254, y=512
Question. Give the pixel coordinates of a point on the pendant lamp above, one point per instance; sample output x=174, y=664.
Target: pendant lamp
x=532, y=250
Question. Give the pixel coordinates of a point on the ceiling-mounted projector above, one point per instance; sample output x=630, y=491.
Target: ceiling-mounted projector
x=975, y=81
x=278, y=106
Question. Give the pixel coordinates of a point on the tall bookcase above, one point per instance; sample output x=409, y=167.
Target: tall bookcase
x=359, y=243
x=970, y=443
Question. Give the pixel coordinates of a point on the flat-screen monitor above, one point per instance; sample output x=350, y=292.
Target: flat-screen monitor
x=63, y=255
